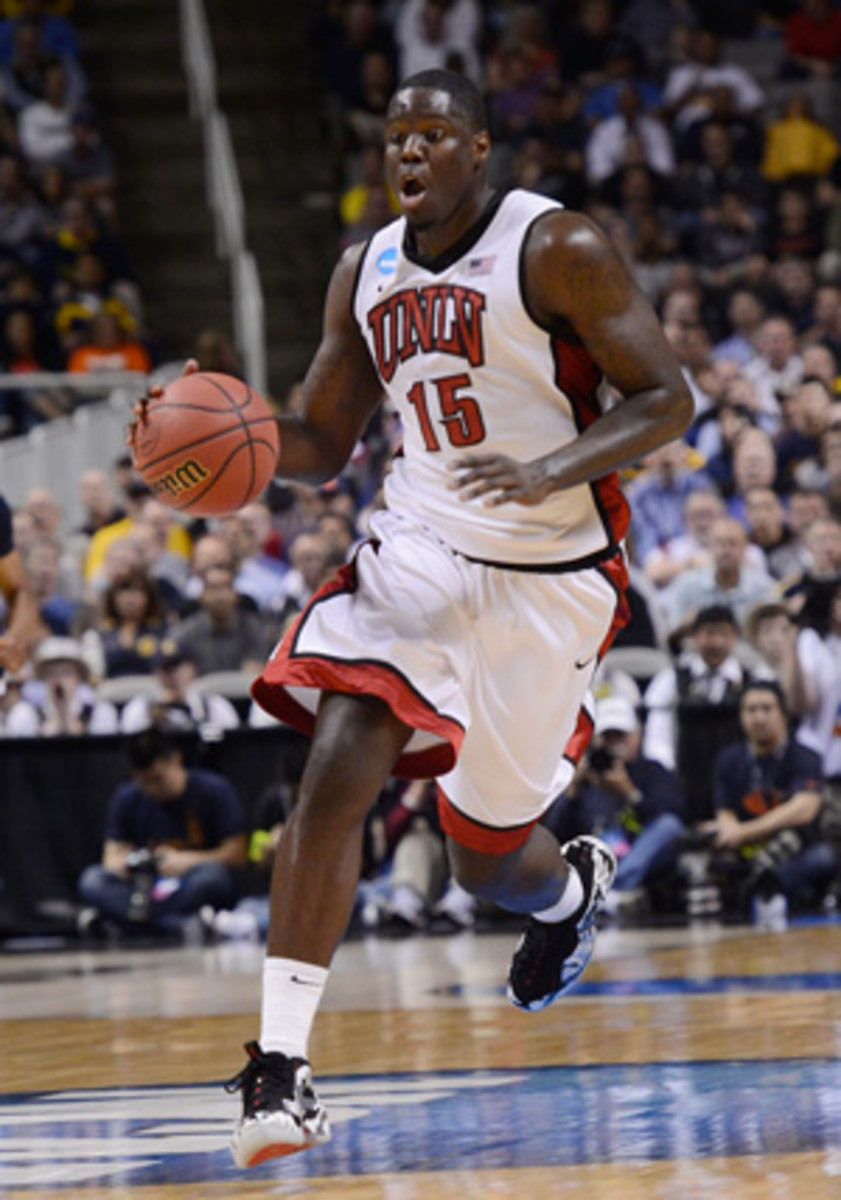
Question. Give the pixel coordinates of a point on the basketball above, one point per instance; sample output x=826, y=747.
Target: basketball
x=208, y=445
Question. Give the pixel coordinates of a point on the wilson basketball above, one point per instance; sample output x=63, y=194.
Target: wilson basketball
x=208, y=445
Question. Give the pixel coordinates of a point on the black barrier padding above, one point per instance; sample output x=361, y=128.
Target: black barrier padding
x=54, y=795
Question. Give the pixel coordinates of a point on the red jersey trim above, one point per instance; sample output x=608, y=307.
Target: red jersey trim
x=473, y=835
x=578, y=378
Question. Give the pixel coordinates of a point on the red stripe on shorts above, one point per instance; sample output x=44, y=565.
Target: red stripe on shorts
x=580, y=738
x=475, y=836
x=362, y=678
x=615, y=571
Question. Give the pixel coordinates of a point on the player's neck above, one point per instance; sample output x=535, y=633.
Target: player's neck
x=436, y=240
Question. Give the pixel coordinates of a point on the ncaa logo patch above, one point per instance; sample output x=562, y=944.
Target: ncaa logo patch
x=387, y=262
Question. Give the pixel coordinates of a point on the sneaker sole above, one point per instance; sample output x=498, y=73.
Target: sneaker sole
x=271, y=1149
x=604, y=872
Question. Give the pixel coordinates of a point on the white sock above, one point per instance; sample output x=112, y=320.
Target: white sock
x=572, y=897
x=291, y=994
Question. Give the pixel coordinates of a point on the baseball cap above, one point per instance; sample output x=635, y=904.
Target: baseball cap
x=617, y=713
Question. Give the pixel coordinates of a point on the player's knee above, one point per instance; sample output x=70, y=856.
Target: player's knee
x=482, y=875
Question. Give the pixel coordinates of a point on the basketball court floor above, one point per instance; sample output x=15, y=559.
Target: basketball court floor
x=691, y=1064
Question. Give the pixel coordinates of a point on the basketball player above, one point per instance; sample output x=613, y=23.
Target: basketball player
x=461, y=641
x=22, y=621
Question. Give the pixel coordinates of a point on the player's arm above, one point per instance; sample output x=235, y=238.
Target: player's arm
x=575, y=277
x=22, y=620
x=341, y=389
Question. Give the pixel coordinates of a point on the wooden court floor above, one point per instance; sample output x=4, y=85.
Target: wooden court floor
x=690, y=1064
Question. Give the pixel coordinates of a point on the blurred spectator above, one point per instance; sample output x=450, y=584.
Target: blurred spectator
x=772, y=632
x=768, y=800
x=692, y=706
x=624, y=67
x=43, y=563
x=353, y=201
x=55, y=31
x=136, y=495
x=259, y=575
x=795, y=225
x=754, y=465
x=826, y=326
x=557, y=124
x=783, y=554
x=630, y=138
x=221, y=636
x=806, y=416
x=178, y=704
x=813, y=40
x=727, y=581
x=107, y=348
x=690, y=549
x=23, y=76
x=151, y=534
x=438, y=33
x=87, y=294
x=79, y=232
x=585, y=43
x=706, y=86
x=797, y=146
x=633, y=802
x=343, y=40
x=88, y=166
x=26, y=348
x=22, y=216
x=99, y=505
x=45, y=127
x=721, y=168
x=777, y=367
x=130, y=631
x=657, y=498
x=174, y=840
x=745, y=312
x=60, y=702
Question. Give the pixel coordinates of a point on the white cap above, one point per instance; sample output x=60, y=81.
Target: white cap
x=616, y=712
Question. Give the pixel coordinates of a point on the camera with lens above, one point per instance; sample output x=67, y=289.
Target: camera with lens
x=602, y=758
x=142, y=870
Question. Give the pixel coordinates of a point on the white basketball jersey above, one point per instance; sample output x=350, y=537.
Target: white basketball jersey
x=470, y=370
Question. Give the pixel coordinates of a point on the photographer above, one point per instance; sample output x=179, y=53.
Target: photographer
x=633, y=803
x=174, y=839
x=768, y=800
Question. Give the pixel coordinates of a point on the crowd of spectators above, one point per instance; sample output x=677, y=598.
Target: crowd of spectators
x=722, y=192
x=69, y=299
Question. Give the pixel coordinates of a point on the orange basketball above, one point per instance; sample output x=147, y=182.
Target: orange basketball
x=208, y=445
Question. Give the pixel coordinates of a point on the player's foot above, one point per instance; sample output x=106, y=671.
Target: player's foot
x=551, y=957
x=281, y=1113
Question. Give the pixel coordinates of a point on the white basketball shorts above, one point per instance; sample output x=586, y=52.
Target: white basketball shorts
x=489, y=665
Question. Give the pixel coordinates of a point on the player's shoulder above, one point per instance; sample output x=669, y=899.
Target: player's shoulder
x=562, y=231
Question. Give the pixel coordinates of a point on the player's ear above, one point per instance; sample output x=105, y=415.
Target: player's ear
x=481, y=147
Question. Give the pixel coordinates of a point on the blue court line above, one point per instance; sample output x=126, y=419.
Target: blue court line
x=812, y=981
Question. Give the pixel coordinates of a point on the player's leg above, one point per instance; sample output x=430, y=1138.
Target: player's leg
x=357, y=740
x=561, y=887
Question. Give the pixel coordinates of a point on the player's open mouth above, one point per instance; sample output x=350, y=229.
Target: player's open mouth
x=411, y=191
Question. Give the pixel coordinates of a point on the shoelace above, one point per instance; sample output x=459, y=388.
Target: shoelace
x=266, y=1080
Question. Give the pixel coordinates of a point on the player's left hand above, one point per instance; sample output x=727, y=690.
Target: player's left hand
x=501, y=480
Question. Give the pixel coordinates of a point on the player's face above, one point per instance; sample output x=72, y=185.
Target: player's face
x=434, y=158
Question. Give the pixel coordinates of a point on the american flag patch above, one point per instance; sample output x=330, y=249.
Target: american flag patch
x=481, y=266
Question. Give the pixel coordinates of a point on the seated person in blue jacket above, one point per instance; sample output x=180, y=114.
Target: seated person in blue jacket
x=633, y=803
x=765, y=834
x=174, y=839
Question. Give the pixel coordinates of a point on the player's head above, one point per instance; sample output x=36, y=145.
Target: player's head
x=437, y=146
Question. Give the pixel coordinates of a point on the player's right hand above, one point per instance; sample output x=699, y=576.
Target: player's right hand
x=153, y=392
